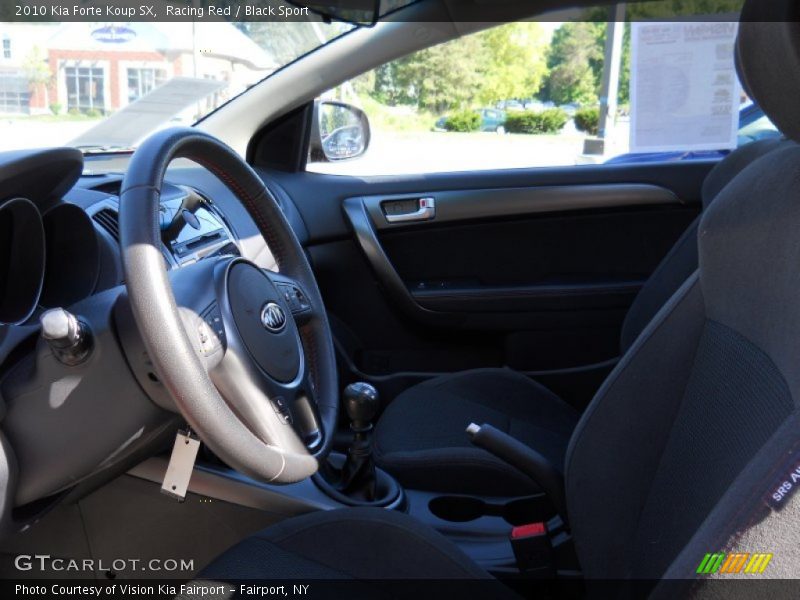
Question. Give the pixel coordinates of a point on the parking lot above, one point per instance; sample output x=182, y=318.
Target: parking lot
x=390, y=152
x=395, y=153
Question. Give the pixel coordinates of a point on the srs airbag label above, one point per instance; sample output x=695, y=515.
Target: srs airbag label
x=786, y=485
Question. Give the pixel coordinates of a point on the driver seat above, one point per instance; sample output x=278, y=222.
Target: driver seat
x=684, y=448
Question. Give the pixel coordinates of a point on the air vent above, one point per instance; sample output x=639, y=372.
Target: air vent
x=108, y=220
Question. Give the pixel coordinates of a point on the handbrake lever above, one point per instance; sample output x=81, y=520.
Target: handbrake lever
x=525, y=459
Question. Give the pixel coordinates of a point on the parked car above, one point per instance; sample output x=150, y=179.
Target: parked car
x=492, y=119
x=754, y=125
x=510, y=105
x=533, y=104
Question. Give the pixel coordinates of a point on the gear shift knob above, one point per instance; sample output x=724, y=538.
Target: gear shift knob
x=361, y=404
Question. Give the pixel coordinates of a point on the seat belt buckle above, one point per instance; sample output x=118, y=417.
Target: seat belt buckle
x=533, y=549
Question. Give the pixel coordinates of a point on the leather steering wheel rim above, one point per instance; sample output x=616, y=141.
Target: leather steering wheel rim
x=157, y=316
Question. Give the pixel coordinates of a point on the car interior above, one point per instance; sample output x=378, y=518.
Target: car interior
x=560, y=373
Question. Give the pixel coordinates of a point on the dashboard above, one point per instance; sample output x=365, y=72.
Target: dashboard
x=59, y=233
x=60, y=247
x=192, y=227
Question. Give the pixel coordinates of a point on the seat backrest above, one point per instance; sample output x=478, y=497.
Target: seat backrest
x=686, y=443
x=681, y=260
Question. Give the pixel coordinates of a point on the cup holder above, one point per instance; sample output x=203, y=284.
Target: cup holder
x=519, y=511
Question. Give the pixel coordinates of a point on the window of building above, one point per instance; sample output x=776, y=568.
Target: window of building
x=85, y=88
x=6, y=47
x=142, y=81
x=15, y=96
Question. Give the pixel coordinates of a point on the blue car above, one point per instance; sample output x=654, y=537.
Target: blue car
x=753, y=125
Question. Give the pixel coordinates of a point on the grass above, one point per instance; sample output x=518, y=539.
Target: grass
x=408, y=120
x=401, y=119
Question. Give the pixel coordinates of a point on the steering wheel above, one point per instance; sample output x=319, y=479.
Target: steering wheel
x=246, y=354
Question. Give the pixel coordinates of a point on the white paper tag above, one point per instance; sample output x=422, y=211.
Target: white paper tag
x=685, y=96
x=181, y=464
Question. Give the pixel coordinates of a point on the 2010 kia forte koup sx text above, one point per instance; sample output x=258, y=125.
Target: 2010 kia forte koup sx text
x=432, y=299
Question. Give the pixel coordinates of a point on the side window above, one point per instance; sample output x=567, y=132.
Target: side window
x=527, y=94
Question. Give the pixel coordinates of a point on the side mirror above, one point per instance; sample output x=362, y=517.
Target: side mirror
x=339, y=132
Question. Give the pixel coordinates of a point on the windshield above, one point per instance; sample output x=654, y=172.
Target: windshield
x=106, y=86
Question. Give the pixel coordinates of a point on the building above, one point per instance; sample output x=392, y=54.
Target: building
x=22, y=43
x=102, y=67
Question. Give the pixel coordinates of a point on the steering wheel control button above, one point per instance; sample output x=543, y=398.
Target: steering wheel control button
x=263, y=322
x=281, y=408
x=211, y=331
x=273, y=318
x=294, y=297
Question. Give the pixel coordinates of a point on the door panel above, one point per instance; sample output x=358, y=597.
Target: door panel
x=529, y=269
x=527, y=277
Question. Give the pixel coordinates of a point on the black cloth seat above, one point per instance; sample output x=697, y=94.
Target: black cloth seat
x=421, y=439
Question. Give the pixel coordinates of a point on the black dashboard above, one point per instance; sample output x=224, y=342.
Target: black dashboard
x=60, y=247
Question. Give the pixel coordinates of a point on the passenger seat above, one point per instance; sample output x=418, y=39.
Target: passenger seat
x=421, y=437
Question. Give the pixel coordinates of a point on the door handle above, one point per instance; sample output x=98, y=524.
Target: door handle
x=396, y=211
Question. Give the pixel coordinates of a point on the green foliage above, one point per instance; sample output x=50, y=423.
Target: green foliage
x=74, y=112
x=503, y=62
x=37, y=71
x=464, y=121
x=55, y=108
x=436, y=79
x=396, y=118
x=588, y=120
x=551, y=120
x=576, y=62
x=677, y=9
x=515, y=64
x=93, y=113
x=515, y=61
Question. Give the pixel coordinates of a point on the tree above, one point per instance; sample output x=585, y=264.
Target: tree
x=508, y=61
x=677, y=9
x=439, y=78
x=516, y=57
x=37, y=72
x=576, y=62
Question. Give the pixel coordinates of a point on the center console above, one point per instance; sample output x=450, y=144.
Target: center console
x=509, y=537
x=353, y=479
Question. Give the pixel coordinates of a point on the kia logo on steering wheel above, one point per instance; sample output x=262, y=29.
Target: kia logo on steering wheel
x=273, y=318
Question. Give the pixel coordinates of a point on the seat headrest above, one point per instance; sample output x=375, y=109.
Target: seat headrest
x=768, y=53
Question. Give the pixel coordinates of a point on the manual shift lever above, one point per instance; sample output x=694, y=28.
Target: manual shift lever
x=361, y=404
x=354, y=479
x=358, y=473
